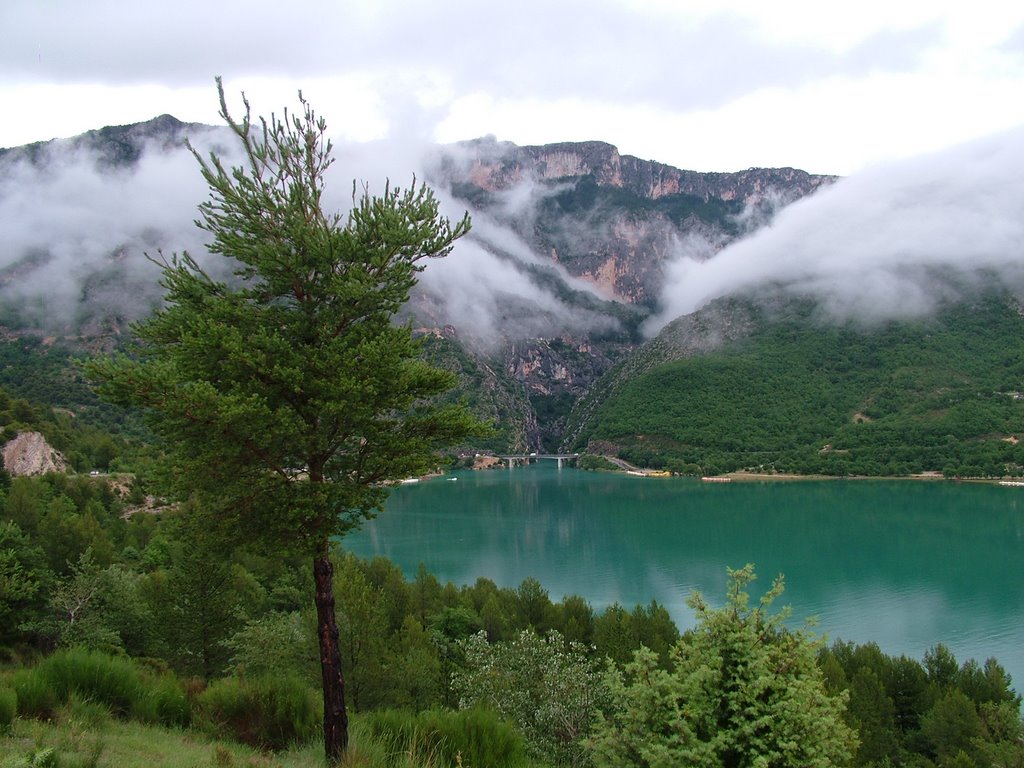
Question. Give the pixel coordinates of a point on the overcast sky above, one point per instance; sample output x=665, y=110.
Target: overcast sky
x=700, y=84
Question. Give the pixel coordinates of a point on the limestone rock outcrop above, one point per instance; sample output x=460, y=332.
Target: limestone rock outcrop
x=29, y=454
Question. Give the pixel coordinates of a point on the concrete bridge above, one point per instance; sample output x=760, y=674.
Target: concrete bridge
x=528, y=458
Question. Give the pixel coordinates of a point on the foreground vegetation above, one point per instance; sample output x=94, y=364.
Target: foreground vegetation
x=151, y=631
x=216, y=629
x=84, y=735
x=89, y=739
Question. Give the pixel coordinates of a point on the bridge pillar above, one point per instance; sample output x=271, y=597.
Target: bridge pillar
x=509, y=462
x=559, y=462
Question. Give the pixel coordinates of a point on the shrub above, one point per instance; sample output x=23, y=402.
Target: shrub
x=85, y=711
x=743, y=689
x=471, y=737
x=268, y=713
x=593, y=462
x=34, y=695
x=108, y=680
x=164, y=701
x=8, y=708
x=549, y=688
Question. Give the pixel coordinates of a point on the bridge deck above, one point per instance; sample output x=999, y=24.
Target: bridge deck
x=541, y=456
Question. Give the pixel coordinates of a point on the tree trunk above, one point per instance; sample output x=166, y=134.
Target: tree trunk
x=335, y=716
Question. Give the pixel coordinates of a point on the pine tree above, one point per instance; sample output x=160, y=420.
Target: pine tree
x=744, y=691
x=288, y=394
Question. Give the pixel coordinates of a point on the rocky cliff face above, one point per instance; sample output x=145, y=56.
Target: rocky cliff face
x=616, y=220
x=29, y=454
x=580, y=235
x=613, y=221
x=555, y=374
x=494, y=166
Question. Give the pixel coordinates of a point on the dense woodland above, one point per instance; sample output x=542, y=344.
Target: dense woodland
x=805, y=395
x=85, y=569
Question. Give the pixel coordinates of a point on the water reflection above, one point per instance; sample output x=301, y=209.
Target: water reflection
x=904, y=564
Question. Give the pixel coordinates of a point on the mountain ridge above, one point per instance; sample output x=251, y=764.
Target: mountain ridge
x=776, y=386
x=584, y=232
x=503, y=167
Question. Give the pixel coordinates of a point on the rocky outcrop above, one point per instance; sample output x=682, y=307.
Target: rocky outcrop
x=555, y=374
x=615, y=220
x=495, y=166
x=30, y=454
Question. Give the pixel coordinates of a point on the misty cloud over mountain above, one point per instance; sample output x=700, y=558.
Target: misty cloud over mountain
x=71, y=217
x=77, y=228
x=890, y=242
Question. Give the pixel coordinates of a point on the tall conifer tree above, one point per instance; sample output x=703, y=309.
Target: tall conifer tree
x=287, y=394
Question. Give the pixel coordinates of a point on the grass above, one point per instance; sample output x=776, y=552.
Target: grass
x=78, y=709
x=118, y=744
x=81, y=737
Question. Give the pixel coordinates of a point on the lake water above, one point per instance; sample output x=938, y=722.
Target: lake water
x=905, y=564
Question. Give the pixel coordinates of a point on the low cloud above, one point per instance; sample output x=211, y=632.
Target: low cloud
x=604, y=50
x=891, y=242
x=77, y=231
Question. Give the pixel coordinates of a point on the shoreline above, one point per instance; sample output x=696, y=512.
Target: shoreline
x=743, y=476
x=929, y=477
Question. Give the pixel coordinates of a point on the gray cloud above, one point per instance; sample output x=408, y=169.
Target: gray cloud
x=890, y=242
x=76, y=232
x=594, y=49
x=1015, y=42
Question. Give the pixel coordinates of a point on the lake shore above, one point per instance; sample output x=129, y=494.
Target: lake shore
x=904, y=564
x=743, y=476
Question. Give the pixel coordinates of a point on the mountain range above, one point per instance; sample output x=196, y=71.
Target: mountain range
x=544, y=310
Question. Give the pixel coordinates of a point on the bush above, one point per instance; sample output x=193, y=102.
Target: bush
x=108, y=680
x=593, y=462
x=8, y=708
x=85, y=711
x=34, y=695
x=164, y=701
x=112, y=683
x=743, y=689
x=547, y=687
x=268, y=713
x=471, y=737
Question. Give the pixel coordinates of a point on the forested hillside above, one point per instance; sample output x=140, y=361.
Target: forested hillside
x=779, y=387
x=568, y=256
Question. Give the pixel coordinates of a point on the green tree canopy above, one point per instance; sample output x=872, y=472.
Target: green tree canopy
x=287, y=393
x=743, y=691
x=547, y=686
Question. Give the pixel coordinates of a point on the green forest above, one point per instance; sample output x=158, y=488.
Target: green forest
x=108, y=620
x=806, y=395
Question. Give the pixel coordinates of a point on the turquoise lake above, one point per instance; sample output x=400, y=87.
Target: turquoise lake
x=905, y=564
